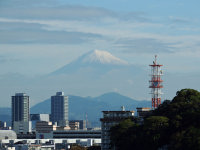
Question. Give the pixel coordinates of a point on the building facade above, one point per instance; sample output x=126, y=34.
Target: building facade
x=20, y=107
x=111, y=118
x=143, y=111
x=81, y=125
x=38, y=117
x=77, y=134
x=74, y=125
x=59, y=109
x=20, y=113
x=22, y=127
x=44, y=129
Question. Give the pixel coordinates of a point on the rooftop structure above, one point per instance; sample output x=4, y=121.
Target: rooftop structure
x=7, y=134
x=143, y=111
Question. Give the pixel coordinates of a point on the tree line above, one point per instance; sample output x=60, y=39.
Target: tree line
x=174, y=125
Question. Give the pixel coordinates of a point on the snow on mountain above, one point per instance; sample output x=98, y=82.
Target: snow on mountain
x=97, y=60
x=103, y=57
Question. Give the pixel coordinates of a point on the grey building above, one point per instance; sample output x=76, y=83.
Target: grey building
x=20, y=113
x=59, y=109
x=20, y=107
x=38, y=117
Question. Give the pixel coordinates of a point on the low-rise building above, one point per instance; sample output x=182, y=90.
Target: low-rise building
x=82, y=123
x=143, y=111
x=22, y=126
x=45, y=126
x=74, y=125
x=44, y=129
x=74, y=134
x=46, y=144
x=7, y=134
x=38, y=117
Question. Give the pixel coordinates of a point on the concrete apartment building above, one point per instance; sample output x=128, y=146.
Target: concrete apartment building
x=59, y=109
x=20, y=113
x=111, y=118
x=46, y=130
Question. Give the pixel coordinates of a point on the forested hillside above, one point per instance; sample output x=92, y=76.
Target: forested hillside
x=175, y=125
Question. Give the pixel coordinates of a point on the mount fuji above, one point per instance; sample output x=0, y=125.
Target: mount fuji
x=97, y=61
x=101, y=57
x=98, y=72
x=94, y=73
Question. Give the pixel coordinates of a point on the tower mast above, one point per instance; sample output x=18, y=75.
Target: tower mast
x=156, y=83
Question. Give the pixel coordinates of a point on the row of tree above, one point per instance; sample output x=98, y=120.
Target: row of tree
x=174, y=125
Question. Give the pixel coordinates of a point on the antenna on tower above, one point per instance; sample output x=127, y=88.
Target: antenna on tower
x=156, y=83
x=155, y=58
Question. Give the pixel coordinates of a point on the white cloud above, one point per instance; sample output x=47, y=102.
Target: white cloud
x=97, y=28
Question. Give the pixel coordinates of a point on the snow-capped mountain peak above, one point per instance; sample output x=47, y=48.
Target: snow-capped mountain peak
x=99, y=60
x=103, y=57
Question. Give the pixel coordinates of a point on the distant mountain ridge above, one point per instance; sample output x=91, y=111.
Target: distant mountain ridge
x=5, y=115
x=96, y=72
x=79, y=107
x=93, y=106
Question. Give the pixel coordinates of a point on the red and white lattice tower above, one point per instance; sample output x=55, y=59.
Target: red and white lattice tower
x=156, y=83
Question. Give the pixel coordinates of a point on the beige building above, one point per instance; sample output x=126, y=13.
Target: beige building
x=74, y=125
x=143, y=111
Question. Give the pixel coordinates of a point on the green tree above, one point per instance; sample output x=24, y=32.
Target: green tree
x=155, y=128
x=119, y=133
x=174, y=125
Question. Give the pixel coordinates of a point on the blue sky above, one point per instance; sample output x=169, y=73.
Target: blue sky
x=141, y=28
x=38, y=37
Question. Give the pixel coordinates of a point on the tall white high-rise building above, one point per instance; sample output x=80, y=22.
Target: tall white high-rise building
x=59, y=109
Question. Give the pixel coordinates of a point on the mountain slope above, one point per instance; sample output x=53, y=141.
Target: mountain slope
x=92, y=61
x=101, y=57
x=5, y=115
x=80, y=106
x=97, y=72
x=116, y=100
x=93, y=107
